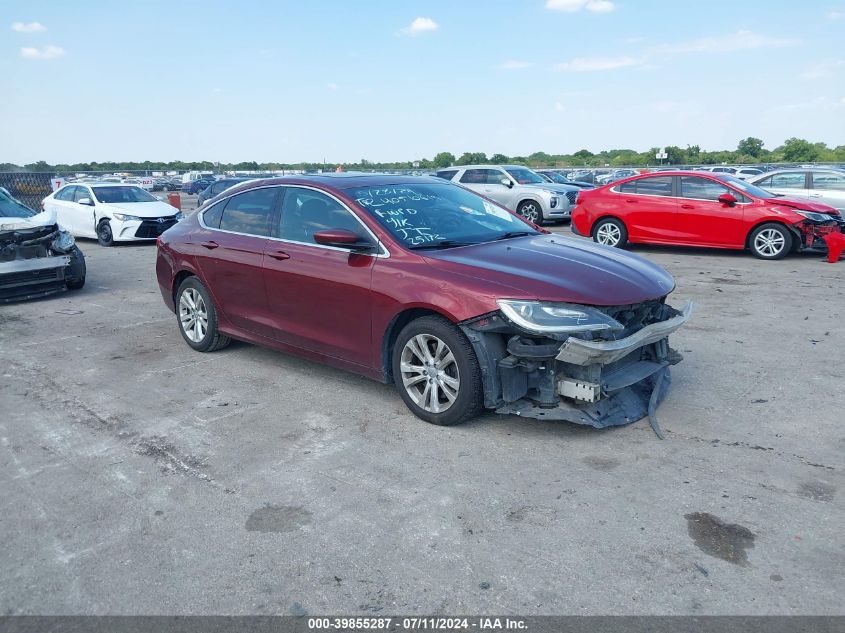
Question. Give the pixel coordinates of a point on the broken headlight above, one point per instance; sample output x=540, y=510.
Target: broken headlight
x=815, y=217
x=63, y=242
x=546, y=317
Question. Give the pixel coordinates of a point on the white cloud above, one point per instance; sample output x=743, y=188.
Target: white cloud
x=740, y=41
x=823, y=70
x=332, y=87
x=559, y=107
x=571, y=6
x=593, y=64
x=419, y=26
x=28, y=27
x=48, y=52
x=835, y=15
x=513, y=65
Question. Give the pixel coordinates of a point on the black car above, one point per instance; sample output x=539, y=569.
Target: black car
x=555, y=176
x=37, y=257
x=217, y=187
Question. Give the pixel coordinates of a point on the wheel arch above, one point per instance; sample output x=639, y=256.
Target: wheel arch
x=395, y=326
x=606, y=216
x=796, y=234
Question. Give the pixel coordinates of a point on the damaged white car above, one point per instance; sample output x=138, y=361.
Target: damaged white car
x=37, y=257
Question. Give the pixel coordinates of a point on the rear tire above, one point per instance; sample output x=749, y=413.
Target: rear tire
x=770, y=241
x=436, y=372
x=197, y=317
x=610, y=232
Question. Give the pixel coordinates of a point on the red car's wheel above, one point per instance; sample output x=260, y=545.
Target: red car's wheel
x=610, y=232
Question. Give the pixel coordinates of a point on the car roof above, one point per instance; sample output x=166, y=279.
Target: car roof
x=490, y=166
x=344, y=180
x=803, y=169
x=109, y=184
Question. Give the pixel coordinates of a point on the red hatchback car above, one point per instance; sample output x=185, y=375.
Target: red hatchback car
x=420, y=282
x=700, y=209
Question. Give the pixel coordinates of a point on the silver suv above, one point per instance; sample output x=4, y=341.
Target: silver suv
x=517, y=188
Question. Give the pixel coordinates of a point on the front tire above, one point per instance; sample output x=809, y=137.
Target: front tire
x=77, y=269
x=436, y=372
x=531, y=211
x=197, y=317
x=770, y=241
x=610, y=232
x=104, y=234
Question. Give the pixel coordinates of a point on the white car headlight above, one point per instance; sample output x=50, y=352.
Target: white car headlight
x=125, y=217
x=543, y=316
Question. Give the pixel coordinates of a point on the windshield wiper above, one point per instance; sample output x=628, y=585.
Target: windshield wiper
x=440, y=244
x=510, y=234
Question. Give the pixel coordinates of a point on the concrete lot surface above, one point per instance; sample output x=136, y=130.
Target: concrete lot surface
x=139, y=476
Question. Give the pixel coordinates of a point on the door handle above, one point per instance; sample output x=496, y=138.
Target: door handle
x=210, y=245
x=815, y=195
x=280, y=255
x=631, y=201
x=687, y=206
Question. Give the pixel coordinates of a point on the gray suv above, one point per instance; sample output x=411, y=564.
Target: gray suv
x=517, y=188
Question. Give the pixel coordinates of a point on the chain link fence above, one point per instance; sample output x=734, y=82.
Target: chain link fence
x=28, y=187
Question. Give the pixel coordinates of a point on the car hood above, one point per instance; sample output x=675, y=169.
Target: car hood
x=556, y=268
x=45, y=218
x=155, y=209
x=554, y=186
x=803, y=204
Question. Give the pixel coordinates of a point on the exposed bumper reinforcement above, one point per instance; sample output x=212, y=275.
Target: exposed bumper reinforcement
x=580, y=352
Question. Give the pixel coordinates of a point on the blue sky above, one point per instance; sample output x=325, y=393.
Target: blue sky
x=391, y=80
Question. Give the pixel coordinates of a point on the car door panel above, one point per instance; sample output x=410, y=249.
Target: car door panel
x=232, y=262
x=648, y=209
x=62, y=208
x=82, y=216
x=319, y=296
x=702, y=219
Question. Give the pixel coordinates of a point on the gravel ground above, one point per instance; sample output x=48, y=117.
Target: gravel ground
x=140, y=477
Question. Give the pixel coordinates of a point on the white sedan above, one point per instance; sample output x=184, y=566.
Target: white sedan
x=110, y=212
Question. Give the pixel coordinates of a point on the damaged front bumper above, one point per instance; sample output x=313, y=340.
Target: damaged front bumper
x=36, y=261
x=599, y=383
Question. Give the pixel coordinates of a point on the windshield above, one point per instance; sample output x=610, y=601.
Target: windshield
x=525, y=176
x=122, y=195
x=11, y=208
x=746, y=187
x=431, y=215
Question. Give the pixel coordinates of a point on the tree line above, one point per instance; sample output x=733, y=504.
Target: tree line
x=748, y=151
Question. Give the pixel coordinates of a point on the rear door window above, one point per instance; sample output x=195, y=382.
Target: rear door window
x=704, y=189
x=474, y=177
x=828, y=180
x=66, y=193
x=250, y=212
x=446, y=174
x=654, y=186
x=211, y=216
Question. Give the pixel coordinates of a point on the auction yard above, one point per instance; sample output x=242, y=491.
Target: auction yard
x=141, y=477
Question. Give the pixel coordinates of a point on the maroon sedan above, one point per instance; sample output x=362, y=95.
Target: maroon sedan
x=420, y=282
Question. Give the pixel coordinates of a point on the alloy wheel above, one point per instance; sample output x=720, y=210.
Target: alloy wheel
x=193, y=315
x=430, y=373
x=608, y=234
x=769, y=242
x=530, y=212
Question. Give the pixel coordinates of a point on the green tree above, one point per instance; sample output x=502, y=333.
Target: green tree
x=582, y=154
x=471, y=158
x=444, y=159
x=798, y=150
x=750, y=146
x=498, y=159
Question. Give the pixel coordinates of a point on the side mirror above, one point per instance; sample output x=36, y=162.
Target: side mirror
x=341, y=238
x=507, y=182
x=86, y=201
x=727, y=199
